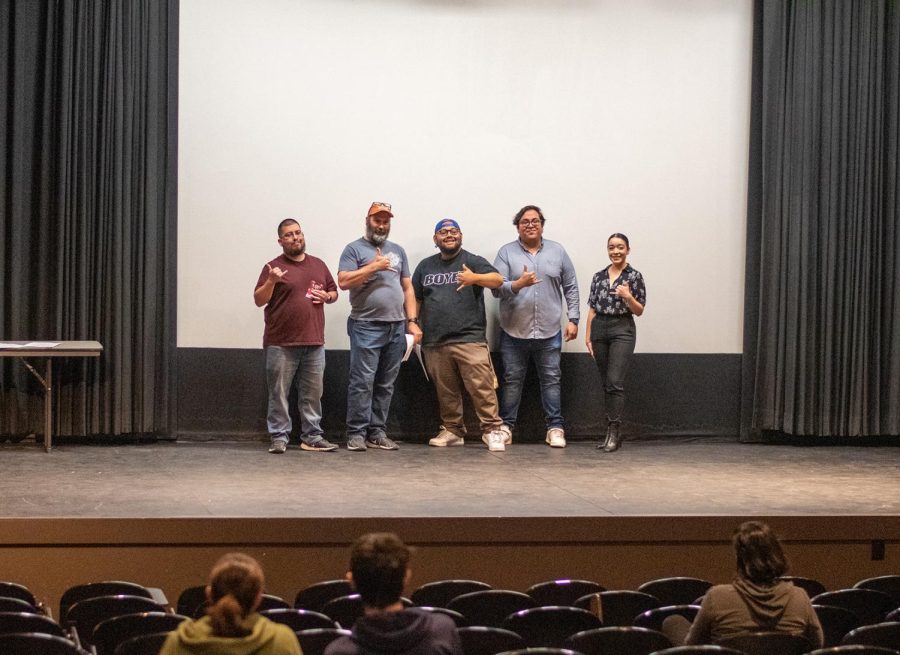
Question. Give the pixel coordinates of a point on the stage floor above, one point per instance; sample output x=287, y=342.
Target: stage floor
x=676, y=477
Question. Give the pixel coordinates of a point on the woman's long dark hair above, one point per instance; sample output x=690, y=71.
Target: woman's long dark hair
x=235, y=584
x=760, y=558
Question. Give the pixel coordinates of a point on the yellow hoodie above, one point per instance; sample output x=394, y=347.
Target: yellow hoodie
x=265, y=638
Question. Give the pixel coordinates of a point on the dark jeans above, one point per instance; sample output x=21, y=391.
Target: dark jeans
x=545, y=353
x=612, y=338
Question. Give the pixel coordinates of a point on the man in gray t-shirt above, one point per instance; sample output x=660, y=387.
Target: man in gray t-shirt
x=383, y=309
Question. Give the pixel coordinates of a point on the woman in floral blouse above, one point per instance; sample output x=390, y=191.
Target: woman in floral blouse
x=617, y=295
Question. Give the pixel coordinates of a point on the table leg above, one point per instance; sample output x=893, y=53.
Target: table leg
x=48, y=406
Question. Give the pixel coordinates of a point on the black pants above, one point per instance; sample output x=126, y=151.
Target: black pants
x=613, y=338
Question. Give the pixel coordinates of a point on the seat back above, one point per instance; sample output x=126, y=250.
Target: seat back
x=316, y=595
x=483, y=640
x=768, y=643
x=81, y=592
x=618, y=641
x=677, y=590
x=149, y=644
x=190, y=599
x=836, y=622
x=37, y=643
x=87, y=614
x=344, y=610
x=562, y=592
x=14, y=590
x=491, y=607
x=542, y=650
x=810, y=586
x=620, y=607
x=888, y=584
x=550, y=625
x=314, y=642
x=653, y=619
x=11, y=622
x=869, y=605
x=705, y=649
x=854, y=650
x=298, y=620
x=441, y=592
x=885, y=635
x=111, y=632
x=17, y=605
x=458, y=619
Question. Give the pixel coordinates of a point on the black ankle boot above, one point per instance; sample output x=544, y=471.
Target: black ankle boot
x=613, y=437
x=604, y=440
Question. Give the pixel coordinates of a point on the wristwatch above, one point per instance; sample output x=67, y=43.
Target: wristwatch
x=413, y=320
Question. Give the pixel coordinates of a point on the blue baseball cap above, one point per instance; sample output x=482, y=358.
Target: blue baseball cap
x=446, y=222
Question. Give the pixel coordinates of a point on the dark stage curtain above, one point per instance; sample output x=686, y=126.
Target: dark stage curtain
x=822, y=314
x=87, y=195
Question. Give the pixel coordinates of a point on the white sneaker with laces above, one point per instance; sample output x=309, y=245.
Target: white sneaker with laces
x=556, y=437
x=495, y=440
x=507, y=433
x=446, y=438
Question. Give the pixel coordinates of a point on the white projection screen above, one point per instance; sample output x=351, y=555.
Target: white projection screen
x=612, y=115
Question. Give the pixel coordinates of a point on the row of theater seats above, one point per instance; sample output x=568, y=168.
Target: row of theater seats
x=121, y=618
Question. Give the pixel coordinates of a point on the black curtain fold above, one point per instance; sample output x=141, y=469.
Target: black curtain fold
x=822, y=302
x=87, y=208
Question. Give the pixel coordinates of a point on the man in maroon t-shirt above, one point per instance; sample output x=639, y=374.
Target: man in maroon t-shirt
x=294, y=288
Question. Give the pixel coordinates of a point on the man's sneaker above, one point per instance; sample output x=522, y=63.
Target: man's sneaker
x=556, y=437
x=322, y=444
x=381, y=442
x=495, y=440
x=278, y=447
x=356, y=443
x=507, y=433
x=445, y=438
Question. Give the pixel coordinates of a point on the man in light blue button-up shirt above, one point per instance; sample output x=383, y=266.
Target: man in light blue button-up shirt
x=538, y=281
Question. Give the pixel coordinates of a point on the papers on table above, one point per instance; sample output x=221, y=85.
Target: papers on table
x=30, y=344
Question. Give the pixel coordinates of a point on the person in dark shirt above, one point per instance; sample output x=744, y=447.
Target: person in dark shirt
x=294, y=287
x=617, y=295
x=449, y=289
x=379, y=569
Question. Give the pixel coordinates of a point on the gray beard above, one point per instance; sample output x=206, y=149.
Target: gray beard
x=377, y=239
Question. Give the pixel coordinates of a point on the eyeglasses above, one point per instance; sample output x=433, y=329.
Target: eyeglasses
x=448, y=232
x=292, y=235
x=529, y=222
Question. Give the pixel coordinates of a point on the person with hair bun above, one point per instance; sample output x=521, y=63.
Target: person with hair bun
x=231, y=625
x=617, y=295
x=756, y=600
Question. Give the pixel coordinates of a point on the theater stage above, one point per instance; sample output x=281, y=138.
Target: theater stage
x=158, y=513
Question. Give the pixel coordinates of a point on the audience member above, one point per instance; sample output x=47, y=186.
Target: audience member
x=232, y=626
x=379, y=569
x=756, y=600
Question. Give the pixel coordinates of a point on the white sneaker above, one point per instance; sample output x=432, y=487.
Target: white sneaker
x=556, y=437
x=495, y=440
x=507, y=433
x=445, y=438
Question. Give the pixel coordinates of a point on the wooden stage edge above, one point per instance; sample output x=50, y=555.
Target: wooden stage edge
x=435, y=531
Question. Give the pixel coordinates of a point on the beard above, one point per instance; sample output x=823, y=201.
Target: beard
x=450, y=252
x=375, y=237
x=295, y=250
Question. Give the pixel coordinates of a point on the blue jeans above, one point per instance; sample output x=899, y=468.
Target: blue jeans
x=283, y=363
x=546, y=355
x=376, y=350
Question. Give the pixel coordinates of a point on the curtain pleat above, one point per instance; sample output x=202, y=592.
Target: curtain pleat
x=825, y=287
x=87, y=224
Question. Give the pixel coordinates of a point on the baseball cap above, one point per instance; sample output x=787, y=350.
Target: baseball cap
x=446, y=222
x=379, y=207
